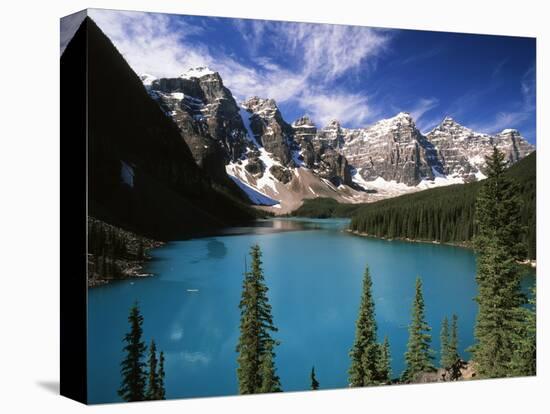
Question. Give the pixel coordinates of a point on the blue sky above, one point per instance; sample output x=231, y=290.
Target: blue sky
x=357, y=75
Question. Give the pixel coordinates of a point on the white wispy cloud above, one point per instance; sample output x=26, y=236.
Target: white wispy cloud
x=423, y=106
x=344, y=107
x=149, y=42
x=329, y=51
x=522, y=111
x=160, y=45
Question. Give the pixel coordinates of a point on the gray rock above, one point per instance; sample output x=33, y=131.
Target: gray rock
x=280, y=173
x=270, y=129
x=393, y=149
x=211, y=109
x=462, y=151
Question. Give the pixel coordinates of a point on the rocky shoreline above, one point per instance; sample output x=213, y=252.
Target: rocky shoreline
x=130, y=269
x=116, y=254
x=527, y=262
x=362, y=234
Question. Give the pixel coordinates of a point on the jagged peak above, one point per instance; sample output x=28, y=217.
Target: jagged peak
x=507, y=131
x=449, y=124
x=197, y=72
x=400, y=118
x=256, y=104
x=333, y=124
x=304, y=120
x=450, y=121
x=147, y=79
x=403, y=114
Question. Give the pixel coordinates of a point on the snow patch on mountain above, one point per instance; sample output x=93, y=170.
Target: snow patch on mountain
x=245, y=115
x=197, y=72
x=254, y=196
x=147, y=79
x=277, y=164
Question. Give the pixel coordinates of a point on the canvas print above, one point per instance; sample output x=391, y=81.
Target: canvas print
x=278, y=206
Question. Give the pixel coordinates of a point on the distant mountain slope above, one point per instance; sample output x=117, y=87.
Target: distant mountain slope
x=252, y=142
x=141, y=174
x=445, y=214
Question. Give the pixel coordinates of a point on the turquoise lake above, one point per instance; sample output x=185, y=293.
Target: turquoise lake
x=314, y=272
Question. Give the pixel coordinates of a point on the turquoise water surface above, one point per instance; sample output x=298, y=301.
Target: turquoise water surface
x=314, y=273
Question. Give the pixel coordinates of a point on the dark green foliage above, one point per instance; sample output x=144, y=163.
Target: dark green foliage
x=153, y=384
x=446, y=214
x=268, y=374
x=256, y=371
x=449, y=343
x=498, y=243
x=364, y=353
x=419, y=355
x=453, y=342
x=524, y=360
x=444, y=360
x=322, y=207
x=314, y=382
x=161, y=375
x=132, y=367
x=384, y=362
x=112, y=251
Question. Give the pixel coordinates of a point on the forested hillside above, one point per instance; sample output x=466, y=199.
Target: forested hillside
x=324, y=207
x=446, y=214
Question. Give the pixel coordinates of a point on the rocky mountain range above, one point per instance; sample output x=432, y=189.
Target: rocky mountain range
x=277, y=164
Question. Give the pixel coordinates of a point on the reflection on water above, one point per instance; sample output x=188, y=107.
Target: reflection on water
x=314, y=273
x=285, y=224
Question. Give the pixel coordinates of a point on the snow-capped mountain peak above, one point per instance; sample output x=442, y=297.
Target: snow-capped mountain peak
x=303, y=122
x=197, y=72
x=252, y=143
x=147, y=79
x=450, y=127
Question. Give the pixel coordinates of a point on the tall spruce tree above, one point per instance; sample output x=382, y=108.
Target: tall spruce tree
x=161, y=375
x=384, y=362
x=453, y=342
x=524, y=361
x=419, y=356
x=498, y=246
x=445, y=355
x=256, y=369
x=133, y=370
x=153, y=380
x=314, y=382
x=268, y=374
x=364, y=352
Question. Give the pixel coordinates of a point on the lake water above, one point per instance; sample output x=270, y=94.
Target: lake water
x=314, y=272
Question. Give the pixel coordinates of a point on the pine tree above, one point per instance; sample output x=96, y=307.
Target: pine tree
x=454, y=356
x=364, y=353
x=445, y=357
x=524, y=361
x=255, y=346
x=419, y=355
x=268, y=375
x=384, y=362
x=161, y=375
x=498, y=246
x=132, y=367
x=153, y=383
x=314, y=382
